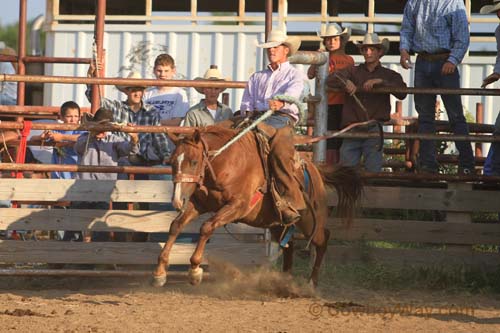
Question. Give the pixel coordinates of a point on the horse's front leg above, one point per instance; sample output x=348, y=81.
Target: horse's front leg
x=227, y=214
x=160, y=273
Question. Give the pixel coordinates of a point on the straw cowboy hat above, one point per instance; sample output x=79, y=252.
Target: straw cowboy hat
x=212, y=74
x=101, y=116
x=131, y=75
x=490, y=8
x=372, y=39
x=334, y=30
x=278, y=37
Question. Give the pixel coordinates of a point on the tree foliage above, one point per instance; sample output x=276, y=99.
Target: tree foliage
x=9, y=35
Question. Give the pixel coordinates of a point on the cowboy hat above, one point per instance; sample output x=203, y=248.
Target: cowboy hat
x=131, y=75
x=334, y=30
x=212, y=74
x=490, y=8
x=372, y=39
x=278, y=37
x=102, y=115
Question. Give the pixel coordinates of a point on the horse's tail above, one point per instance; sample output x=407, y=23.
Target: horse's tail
x=349, y=186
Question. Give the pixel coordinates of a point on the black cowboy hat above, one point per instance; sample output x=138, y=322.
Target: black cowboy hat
x=102, y=115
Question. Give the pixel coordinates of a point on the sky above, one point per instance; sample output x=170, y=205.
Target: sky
x=10, y=10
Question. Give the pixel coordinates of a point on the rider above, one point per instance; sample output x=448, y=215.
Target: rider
x=279, y=78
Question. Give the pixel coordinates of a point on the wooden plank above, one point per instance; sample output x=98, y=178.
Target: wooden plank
x=161, y=191
x=85, y=190
x=350, y=254
x=102, y=220
x=126, y=253
x=459, y=217
x=416, y=231
x=425, y=199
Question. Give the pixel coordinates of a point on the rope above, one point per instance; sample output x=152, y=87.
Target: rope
x=6, y=149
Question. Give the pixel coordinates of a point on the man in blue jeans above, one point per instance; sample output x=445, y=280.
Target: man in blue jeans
x=438, y=32
x=492, y=164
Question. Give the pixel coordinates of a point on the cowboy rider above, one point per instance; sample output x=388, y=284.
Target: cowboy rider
x=279, y=78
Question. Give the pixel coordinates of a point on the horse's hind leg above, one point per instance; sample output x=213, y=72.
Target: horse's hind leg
x=320, y=241
x=160, y=273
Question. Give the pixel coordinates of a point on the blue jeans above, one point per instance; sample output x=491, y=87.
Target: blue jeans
x=428, y=75
x=7, y=100
x=352, y=150
x=278, y=121
x=494, y=153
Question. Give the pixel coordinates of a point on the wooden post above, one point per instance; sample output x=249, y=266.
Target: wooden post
x=459, y=217
x=479, y=120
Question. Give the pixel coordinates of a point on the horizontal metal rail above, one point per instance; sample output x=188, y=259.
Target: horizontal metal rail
x=228, y=84
x=13, y=125
x=122, y=81
x=430, y=177
x=84, y=168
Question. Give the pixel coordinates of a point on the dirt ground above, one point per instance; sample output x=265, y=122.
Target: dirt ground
x=262, y=301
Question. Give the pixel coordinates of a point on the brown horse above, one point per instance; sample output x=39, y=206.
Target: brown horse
x=229, y=185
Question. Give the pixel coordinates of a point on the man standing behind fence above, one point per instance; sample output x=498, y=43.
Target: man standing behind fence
x=438, y=32
x=362, y=105
x=493, y=159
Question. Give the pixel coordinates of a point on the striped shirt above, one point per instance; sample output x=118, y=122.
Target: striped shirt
x=434, y=27
x=264, y=85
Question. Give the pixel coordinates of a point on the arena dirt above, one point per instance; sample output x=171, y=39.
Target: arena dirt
x=233, y=301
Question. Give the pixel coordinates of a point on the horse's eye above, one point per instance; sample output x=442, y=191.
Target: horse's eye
x=194, y=163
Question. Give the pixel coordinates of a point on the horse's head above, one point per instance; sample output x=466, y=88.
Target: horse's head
x=188, y=168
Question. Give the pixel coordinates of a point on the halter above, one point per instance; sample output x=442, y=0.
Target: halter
x=181, y=177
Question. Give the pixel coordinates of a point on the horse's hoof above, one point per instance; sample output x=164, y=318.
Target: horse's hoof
x=159, y=281
x=195, y=275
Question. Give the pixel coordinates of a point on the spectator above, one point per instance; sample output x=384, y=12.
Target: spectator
x=8, y=90
x=208, y=111
x=438, y=31
x=263, y=87
x=334, y=41
x=63, y=152
x=153, y=147
x=101, y=149
x=366, y=76
x=171, y=102
x=492, y=164
x=64, y=140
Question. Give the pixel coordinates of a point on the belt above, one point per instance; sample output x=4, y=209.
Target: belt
x=433, y=57
x=278, y=113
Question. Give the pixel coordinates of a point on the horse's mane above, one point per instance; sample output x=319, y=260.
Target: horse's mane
x=217, y=135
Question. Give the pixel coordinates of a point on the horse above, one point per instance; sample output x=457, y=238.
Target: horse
x=231, y=185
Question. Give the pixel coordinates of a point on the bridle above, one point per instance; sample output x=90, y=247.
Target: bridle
x=181, y=177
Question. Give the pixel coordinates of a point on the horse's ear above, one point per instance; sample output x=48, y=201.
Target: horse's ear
x=174, y=137
x=196, y=136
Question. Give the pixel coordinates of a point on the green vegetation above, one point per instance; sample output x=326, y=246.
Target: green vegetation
x=9, y=35
x=377, y=276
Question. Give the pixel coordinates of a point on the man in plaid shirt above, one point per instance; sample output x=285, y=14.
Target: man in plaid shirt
x=153, y=147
